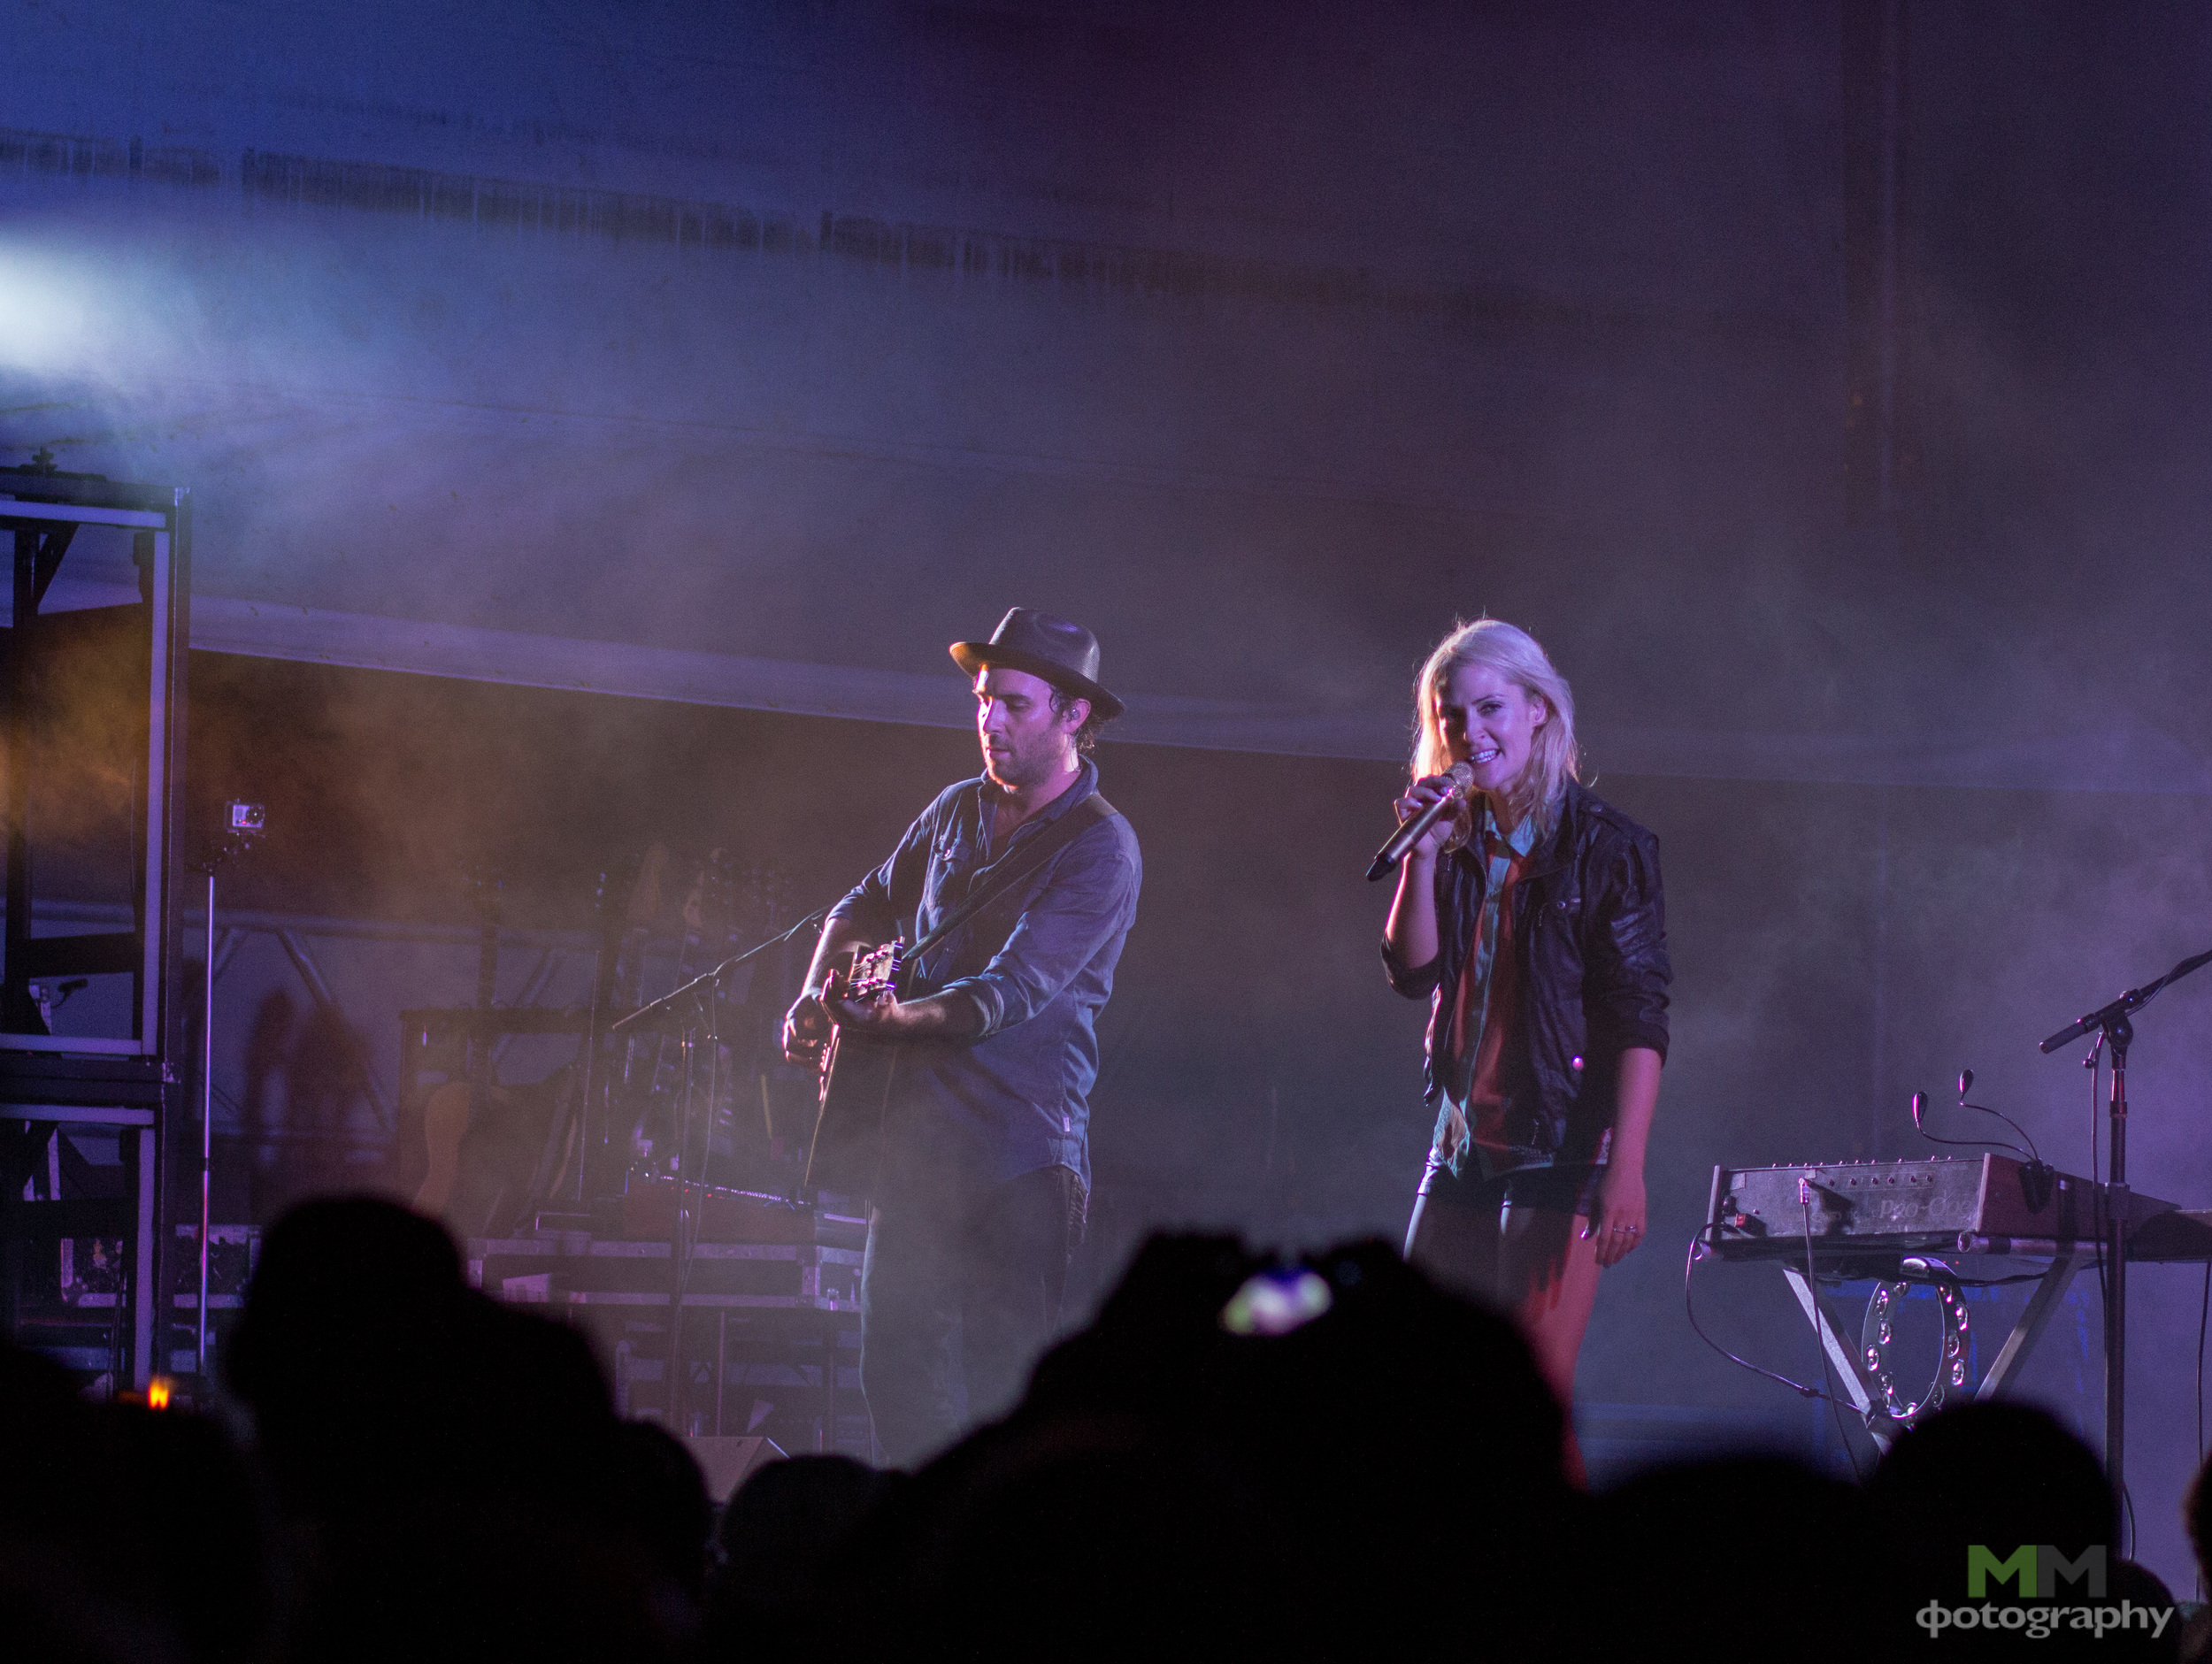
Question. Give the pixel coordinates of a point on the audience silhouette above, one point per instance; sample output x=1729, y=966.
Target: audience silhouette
x=2004, y=1475
x=1330, y=1459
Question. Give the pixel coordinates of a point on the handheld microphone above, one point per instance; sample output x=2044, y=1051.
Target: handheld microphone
x=1462, y=776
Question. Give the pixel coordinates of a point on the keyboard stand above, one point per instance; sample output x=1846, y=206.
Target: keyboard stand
x=2068, y=1258
x=1842, y=1359
x=1830, y=1328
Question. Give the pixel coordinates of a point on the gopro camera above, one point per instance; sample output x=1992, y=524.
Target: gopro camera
x=247, y=820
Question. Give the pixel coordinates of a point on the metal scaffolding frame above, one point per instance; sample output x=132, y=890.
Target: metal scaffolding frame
x=130, y=1086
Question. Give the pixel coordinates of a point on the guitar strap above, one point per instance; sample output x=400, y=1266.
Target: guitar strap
x=844, y=1154
x=1000, y=876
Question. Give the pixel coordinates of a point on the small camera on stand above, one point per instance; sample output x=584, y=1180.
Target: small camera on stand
x=244, y=824
x=242, y=827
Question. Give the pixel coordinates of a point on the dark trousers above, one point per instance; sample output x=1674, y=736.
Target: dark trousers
x=961, y=1288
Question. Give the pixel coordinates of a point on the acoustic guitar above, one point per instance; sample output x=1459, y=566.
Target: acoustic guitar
x=494, y=1150
x=449, y=1112
x=856, y=1079
x=445, y=1121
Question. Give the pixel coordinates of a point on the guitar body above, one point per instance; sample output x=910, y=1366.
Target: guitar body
x=857, y=1080
x=493, y=1151
x=445, y=1121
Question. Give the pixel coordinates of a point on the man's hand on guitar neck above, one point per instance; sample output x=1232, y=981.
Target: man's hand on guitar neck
x=806, y=1029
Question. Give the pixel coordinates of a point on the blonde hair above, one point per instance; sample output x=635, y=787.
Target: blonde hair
x=1554, y=758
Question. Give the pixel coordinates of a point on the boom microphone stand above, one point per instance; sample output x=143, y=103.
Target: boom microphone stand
x=706, y=990
x=655, y=1012
x=2119, y=1032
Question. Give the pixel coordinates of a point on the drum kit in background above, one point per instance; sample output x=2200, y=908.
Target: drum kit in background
x=649, y=1188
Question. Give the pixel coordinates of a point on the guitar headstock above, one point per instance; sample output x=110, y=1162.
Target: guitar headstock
x=710, y=906
x=875, y=970
x=645, y=894
x=485, y=882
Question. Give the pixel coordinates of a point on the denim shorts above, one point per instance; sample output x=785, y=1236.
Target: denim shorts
x=1569, y=1187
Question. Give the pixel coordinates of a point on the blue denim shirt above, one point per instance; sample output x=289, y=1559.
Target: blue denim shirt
x=1039, y=962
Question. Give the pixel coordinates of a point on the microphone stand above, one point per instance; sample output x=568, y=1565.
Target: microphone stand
x=207, y=1131
x=2113, y=1022
x=704, y=987
x=668, y=1000
x=238, y=838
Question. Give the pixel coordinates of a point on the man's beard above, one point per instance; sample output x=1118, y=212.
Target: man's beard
x=1015, y=771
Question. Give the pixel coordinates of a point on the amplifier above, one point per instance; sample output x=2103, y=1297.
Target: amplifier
x=1904, y=1206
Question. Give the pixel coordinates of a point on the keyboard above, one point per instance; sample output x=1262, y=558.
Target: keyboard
x=1985, y=1204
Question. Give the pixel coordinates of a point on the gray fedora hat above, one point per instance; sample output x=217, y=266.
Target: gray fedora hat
x=1064, y=654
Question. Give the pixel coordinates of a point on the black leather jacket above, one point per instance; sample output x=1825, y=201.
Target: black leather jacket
x=1590, y=931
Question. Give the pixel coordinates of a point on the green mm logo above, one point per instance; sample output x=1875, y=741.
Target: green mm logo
x=2035, y=1569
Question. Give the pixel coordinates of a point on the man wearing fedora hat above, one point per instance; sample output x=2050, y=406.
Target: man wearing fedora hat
x=985, y=1172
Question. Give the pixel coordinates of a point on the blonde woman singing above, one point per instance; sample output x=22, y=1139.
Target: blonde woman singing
x=1531, y=919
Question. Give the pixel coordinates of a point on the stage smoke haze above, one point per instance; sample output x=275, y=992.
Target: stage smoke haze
x=598, y=426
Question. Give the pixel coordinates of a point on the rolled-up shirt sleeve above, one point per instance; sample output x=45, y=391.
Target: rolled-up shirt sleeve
x=1088, y=899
